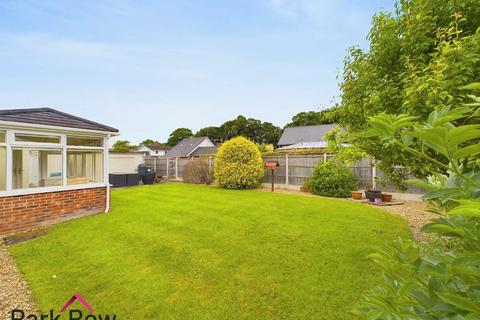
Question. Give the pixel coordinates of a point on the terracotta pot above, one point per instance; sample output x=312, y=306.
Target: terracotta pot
x=373, y=194
x=303, y=189
x=356, y=195
x=386, y=197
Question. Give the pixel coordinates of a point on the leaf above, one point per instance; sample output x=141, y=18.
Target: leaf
x=472, y=86
x=463, y=134
x=467, y=151
x=460, y=302
x=422, y=184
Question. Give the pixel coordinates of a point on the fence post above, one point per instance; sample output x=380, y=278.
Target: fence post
x=324, y=157
x=374, y=175
x=155, y=164
x=176, y=168
x=166, y=162
x=286, y=169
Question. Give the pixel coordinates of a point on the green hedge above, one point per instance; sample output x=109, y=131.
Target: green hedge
x=331, y=179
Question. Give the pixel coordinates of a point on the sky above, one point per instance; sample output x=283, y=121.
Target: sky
x=149, y=67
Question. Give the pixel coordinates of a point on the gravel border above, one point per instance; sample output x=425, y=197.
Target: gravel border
x=14, y=291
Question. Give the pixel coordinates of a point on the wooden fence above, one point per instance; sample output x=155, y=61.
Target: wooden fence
x=294, y=170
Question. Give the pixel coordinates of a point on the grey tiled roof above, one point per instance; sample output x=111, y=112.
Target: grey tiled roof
x=204, y=150
x=158, y=146
x=52, y=117
x=305, y=134
x=185, y=147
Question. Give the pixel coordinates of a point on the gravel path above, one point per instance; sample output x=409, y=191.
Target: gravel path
x=14, y=292
x=415, y=215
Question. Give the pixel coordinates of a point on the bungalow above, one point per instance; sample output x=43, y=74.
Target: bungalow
x=154, y=150
x=192, y=147
x=53, y=167
x=305, y=138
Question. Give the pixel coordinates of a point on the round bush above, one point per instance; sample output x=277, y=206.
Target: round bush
x=238, y=164
x=332, y=180
x=197, y=171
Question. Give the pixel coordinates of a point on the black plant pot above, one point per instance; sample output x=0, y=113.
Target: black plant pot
x=371, y=195
x=149, y=178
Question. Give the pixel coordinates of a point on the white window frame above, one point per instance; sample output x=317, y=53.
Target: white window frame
x=10, y=143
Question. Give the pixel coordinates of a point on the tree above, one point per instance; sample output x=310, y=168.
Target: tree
x=417, y=62
x=149, y=141
x=256, y=130
x=311, y=118
x=123, y=146
x=214, y=133
x=178, y=135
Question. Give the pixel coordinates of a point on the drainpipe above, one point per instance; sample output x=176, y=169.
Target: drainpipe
x=105, y=168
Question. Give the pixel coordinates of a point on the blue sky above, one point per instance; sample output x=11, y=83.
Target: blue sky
x=148, y=67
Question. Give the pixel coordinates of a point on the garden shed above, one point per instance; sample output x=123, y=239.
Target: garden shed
x=53, y=167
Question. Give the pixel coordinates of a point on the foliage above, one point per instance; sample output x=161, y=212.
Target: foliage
x=147, y=142
x=265, y=148
x=214, y=133
x=178, y=135
x=197, y=171
x=441, y=279
x=331, y=179
x=310, y=118
x=181, y=252
x=123, y=146
x=238, y=164
x=417, y=61
x=253, y=129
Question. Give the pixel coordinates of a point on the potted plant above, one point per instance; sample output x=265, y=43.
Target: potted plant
x=386, y=197
x=357, y=195
x=372, y=193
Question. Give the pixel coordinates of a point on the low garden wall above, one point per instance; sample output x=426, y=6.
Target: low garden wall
x=25, y=212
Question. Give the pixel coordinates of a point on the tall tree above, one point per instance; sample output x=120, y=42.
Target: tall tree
x=149, y=141
x=418, y=60
x=214, y=133
x=178, y=135
x=311, y=118
x=123, y=146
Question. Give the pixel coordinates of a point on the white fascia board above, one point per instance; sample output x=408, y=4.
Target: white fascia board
x=22, y=125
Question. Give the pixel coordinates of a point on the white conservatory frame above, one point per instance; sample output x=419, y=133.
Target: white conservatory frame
x=12, y=128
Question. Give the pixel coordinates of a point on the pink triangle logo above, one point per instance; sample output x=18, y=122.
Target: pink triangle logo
x=77, y=296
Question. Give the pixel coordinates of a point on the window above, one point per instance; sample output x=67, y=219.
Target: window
x=84, y=142
x=2, y=136
x=20, y=137
x=3, y=168
x=84, y=166
x=33, y=168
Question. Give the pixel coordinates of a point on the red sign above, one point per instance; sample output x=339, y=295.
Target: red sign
x=272, y=164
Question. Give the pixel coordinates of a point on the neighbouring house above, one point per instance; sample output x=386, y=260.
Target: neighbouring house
x=305, y=138
x=154, y=150
x=53, y=167
x=192, y=147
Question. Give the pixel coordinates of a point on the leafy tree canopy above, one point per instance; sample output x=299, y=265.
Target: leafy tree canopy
x=311, y=118
x=123, y=146
x=178, y=135
x=418, y=61
x=149, y=141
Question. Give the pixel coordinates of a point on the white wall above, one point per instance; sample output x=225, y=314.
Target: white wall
x=124, y=162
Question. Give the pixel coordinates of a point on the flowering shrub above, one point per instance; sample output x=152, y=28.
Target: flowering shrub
x=238, y=164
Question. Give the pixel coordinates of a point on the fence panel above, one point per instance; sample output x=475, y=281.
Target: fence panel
x=294, y=170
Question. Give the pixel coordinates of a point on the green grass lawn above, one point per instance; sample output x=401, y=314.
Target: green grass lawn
x=178, y=251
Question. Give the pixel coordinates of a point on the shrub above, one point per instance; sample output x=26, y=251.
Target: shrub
x=197, y=171
x=332, y=180
x=238, y=164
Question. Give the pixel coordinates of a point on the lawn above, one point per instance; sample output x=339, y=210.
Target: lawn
x=177, y=251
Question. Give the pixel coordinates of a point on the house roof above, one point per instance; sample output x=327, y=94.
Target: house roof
x=158, y=146
x=52, y=117
x=295, y=135
x=203, y=150
x=185, y=147
x=305, y=145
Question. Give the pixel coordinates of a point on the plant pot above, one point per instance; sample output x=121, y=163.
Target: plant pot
x=356, y=195
x=303, y=189
x=386, y=197
x=377, y=200
x=373, y=194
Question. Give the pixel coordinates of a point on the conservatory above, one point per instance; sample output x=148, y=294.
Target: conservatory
x=53, y=167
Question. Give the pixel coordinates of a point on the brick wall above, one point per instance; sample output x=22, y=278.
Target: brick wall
x=25, y=212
